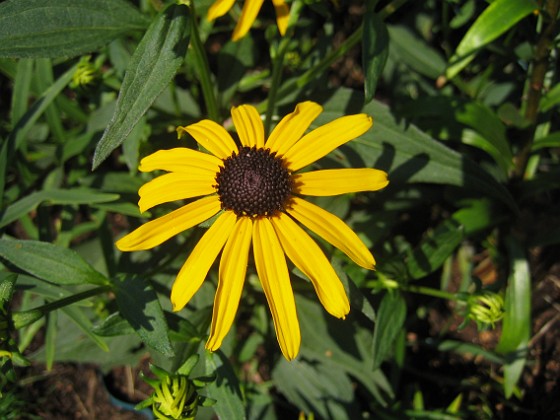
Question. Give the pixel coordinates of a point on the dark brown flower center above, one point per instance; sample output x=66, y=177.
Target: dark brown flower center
x=254, y=182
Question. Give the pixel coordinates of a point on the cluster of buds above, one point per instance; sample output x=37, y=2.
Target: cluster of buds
x=485, y=308
x=86, y=73
x=176, y=395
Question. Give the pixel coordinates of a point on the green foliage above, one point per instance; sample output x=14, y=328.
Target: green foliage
x=465, y=101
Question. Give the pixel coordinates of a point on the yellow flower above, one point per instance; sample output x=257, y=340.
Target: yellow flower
x=249, y=13
x=257, y=189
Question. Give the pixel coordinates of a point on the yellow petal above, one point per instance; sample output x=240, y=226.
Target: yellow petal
x=275, y=279
x=248, y=125
x=333, y=230
x=175, y=186
x=308, y=257
x=233, y=266
x=248, y=15
x=282, y=15
x=329, y=182
x=155, y=232
x=212, y=136
x=195, y=269
x=219, y=8
x=290, y=129
x=325, y=139
x=180, y=159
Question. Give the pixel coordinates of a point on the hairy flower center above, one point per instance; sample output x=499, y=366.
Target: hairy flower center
x=254, y=182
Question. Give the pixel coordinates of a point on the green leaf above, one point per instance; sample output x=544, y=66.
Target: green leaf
x=498, y=17
x=375, y=50
x=390, y=319
x=552, y=140
x=112, y=326
x=408, y=48
x=433, y=250
x=49, y=262
x=139, y=305
x=63, y=28
x=52, y=196
x=318, y=388
x=150, y=70
x=516, y=328
x=344, y=344
x=478, y=215
x=225, y=389
x=551, y=98
x=7, y=283
x=405, y=152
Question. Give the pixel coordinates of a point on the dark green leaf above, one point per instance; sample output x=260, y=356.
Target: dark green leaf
x=375, y=49
x=322, y=389
x=52, y=196
x=409, y=48
x=49, y=262
x=390, y=319
x=63, y=28
x=225, y=389
x=433, y=250
x=150, y=70
x=342, y=343
x=139, y=305
x=498, y=17
x=406, y=153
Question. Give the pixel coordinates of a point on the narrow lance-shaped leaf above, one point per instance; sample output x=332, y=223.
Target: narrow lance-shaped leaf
x=50, y=262
x=499, y=16
x=516, y=327
x=150, y=70
x=63, y=28
x=375, y=50
x=390, y=319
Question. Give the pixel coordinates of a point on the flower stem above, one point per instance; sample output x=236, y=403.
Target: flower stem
x=203, y=70
x=536, y=81
x=24, y=318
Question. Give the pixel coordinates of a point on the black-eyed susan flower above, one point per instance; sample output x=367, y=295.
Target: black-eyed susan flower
x=257, y=190
x=249, y=13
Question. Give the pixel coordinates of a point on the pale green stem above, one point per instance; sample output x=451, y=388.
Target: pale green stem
x=24, y=318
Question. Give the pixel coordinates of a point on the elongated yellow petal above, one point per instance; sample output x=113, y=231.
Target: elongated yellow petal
x=195, y=269
x=325, y=139
x=219, y=8
x=248, y=125
x=157, y=231
x=248, y=15
x=282, y=15
x=180, y=159
x=333, y=230
x=275, y=279
x=290, y=129
x=212, y=136
x=308, y=257
x=329, y=182
x=175, y=186
x=233, y=266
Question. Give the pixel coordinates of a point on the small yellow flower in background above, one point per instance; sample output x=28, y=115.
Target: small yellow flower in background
x=249, y=13
x=258, y=191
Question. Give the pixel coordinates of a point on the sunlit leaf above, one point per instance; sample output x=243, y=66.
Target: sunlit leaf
x=49, y=262
x=516, y=328
x=499, y=16
x=150, y=70
x=63, y=28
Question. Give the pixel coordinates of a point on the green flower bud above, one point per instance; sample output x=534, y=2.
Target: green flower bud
x=485, y=308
